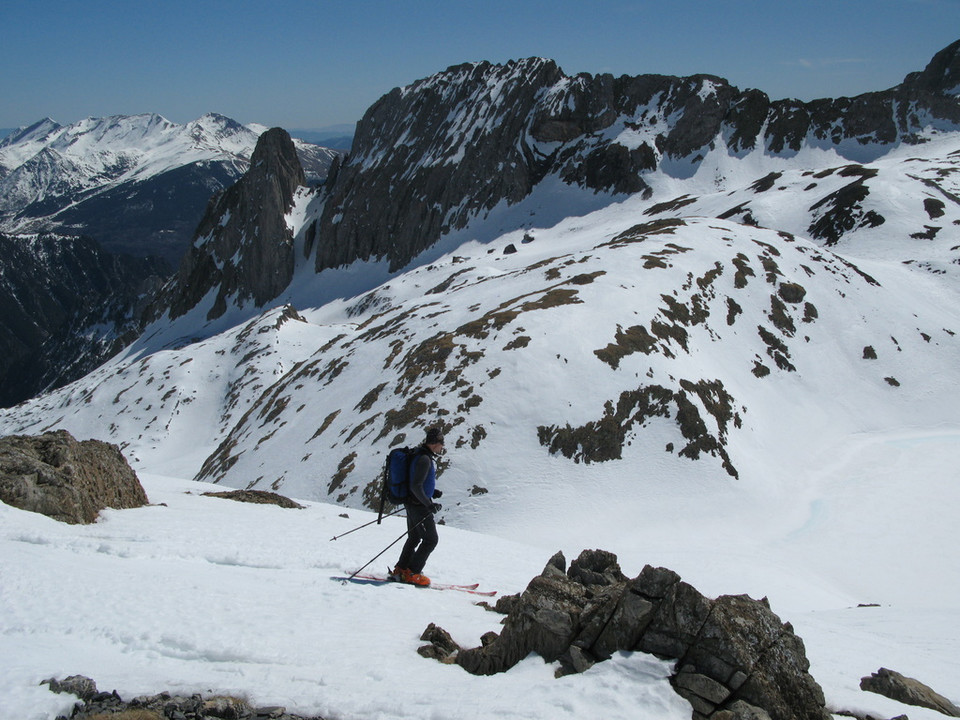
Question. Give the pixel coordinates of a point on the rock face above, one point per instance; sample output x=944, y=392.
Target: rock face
x=243, y=247
x=893, y=685
x=429, y=157
x=735, y=658
x=67, y=480
x=65, y=306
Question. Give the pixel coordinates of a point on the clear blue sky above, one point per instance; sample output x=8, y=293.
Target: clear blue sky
x=313, y=63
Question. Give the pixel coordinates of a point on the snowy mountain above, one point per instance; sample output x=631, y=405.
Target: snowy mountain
x=138, y=184
x=478, y=140
x=653, y=315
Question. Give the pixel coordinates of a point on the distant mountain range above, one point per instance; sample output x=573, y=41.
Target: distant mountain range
x=337, y=137
x=137, y=184
x=93, y=218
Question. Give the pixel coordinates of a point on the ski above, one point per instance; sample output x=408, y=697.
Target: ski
x=372, y=579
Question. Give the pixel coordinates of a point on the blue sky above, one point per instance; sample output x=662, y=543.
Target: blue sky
x=314, y=63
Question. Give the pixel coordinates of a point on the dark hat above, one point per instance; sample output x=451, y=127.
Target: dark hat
x=434, y=437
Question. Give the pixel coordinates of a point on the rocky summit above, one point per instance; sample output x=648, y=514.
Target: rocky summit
x=431, y=157
x=244, y=247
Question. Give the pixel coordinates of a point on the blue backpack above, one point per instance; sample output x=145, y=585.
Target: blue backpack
x=396, y=477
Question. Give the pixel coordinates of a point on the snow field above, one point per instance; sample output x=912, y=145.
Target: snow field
x=208, y=595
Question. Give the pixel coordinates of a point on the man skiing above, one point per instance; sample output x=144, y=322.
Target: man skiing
x=420, y=507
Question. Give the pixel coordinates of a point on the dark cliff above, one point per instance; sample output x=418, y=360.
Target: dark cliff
x=243, y=247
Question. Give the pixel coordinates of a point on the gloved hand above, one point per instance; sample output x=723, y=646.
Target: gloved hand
x=435, y=507
x=437, y=493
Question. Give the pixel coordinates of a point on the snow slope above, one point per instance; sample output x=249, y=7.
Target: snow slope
x=200, y=594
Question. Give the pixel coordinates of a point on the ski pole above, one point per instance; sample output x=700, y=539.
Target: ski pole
x=357, y=572
x=335, y=537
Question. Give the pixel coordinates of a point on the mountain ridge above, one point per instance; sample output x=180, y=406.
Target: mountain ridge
x=597, y=133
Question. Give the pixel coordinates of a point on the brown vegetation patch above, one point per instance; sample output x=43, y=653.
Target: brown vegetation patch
x=518, y=342
x=626, y=342
x=344, y=469
x=639, y=233
x=325, y=424
x=934, y=207
x=776, y=349
x=733, y=309
x=792, y=292
x=766, y=182
x=670, y=205
x=741, y=263
x=370, y=398
x=780, y=317
x=395, y=418
x=360, y=428
x=602, y=440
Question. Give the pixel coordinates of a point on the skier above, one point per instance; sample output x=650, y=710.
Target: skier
x=420, y=506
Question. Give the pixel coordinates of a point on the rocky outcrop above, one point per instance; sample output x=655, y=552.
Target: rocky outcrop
x=96, y=705
x=895, y=686
x=257, y=497
x=430, y=157
x=65, y=306
x=243, y=247
x=735, y=659
x=67, y=480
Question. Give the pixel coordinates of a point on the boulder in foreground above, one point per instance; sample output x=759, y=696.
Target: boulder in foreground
x=66, y=479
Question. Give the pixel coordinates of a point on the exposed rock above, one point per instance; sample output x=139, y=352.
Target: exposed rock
x=67, y=480
x=260, y=497
x=429, y=157
x=96, y=705
x=83, y=687
x=903, y=689
x=243, y=247
x=735, y=659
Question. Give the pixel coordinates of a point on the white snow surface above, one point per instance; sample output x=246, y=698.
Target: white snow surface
x=201, y=594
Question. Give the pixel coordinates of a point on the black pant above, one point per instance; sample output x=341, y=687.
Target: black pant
x=421, y=538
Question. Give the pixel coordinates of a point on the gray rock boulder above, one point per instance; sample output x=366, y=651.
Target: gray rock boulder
x=895, y=686
x=96, y=705
x=67, y=480
x=735, y=659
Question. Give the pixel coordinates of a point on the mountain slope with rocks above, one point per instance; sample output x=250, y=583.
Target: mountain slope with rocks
x=437, y=155
x=656, y=322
